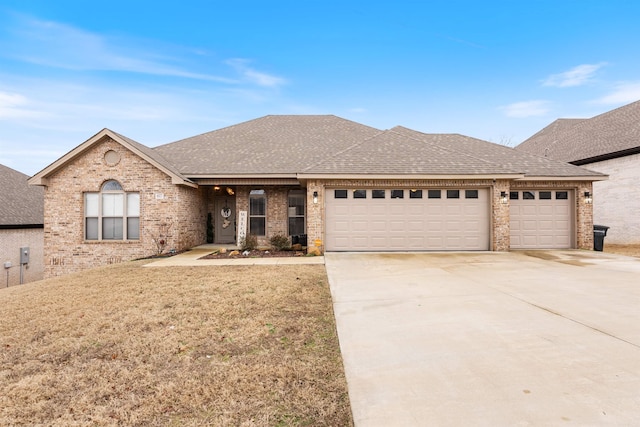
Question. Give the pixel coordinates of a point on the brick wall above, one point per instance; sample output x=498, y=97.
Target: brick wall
x=161, y=202
x=10, y=243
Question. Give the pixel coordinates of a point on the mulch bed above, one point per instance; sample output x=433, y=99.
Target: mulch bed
x=254, y=254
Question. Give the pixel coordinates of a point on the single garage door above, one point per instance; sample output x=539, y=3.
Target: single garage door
x=406, y=219
x=541, y=219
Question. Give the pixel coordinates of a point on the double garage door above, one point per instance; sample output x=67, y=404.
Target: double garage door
x=542, y=219
x=407, y=219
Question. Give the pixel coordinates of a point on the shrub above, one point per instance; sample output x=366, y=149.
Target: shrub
x=280, y=242
x=249, y=243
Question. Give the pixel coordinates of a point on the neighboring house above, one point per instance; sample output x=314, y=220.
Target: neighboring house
x=21, y=226
x=342, y=185
x=610, y=144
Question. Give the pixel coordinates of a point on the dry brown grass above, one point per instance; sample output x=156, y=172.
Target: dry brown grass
x=127, y=345
x=629, y=250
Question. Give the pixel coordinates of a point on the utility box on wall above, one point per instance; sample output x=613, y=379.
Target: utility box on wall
x=24, y=255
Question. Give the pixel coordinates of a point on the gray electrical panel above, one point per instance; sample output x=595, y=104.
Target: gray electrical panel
x=24, y=255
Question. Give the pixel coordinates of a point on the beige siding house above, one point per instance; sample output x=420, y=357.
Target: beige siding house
x=610, y=144
x=323, y=180
x=21, y=226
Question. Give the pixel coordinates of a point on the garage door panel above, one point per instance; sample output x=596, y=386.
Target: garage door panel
x=543, y=224
x=407, y=224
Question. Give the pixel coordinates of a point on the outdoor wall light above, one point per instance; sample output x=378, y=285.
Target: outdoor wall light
x=588, y=198
x=315, y=197
x=503, y=197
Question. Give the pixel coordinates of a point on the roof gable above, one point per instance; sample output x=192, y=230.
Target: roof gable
x=20, y=203
x=141, y=150
x=581, y=141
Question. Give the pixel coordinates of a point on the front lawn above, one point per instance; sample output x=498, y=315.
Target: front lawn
x=132, y=345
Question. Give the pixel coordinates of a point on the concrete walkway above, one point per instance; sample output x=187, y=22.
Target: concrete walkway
x=539, y=338
x=192, y=257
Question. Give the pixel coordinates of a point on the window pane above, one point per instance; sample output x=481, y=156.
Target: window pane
x=397, y=194
x=113, y=204
x=340, y=194
x=562, y=195
x=377, y=194
x=470, y=194
x=111, y=186
x=296, y=204
x=359, y=194
x=434, y=194
x=112, y=229
x=91, y=205
x=415, y=194
x=133, y=204
x=513, y=195
x=257, y=205
x=528, y=195
x=256, y=226
x=453, y=194
x=545, y=195
x=296, y=226
x=91, y=229
x=133, y=228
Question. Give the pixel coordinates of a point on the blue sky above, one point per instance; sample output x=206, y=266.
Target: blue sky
x=162, y=71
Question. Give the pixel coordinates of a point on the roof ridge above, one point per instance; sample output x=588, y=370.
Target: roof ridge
x=351, y=147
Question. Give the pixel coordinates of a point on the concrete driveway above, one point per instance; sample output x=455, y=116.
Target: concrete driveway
x=489, y=339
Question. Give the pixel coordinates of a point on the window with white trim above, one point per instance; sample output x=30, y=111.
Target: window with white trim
x=111, y=213
x=296, y=212
x=257, y=212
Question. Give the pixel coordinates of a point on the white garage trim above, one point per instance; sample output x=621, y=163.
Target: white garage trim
x=542, y=219
x=407, y=220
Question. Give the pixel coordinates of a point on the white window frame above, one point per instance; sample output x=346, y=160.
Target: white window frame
x=301, y=194
x=258, y=194
x=130, y=211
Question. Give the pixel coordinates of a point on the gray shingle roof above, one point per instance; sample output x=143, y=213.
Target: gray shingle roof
x=501, y=156
x=581, y=140
x=20, y=203
x=282, y=145
x=395, y=152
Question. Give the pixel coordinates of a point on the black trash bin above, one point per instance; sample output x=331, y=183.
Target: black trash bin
x=599, y=233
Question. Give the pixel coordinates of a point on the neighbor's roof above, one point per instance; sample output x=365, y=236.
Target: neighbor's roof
x=581, y=141
x=20, y=203
x=280, y=145
x=501, y=156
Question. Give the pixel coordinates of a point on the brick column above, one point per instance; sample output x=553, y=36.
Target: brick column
x=500, y=219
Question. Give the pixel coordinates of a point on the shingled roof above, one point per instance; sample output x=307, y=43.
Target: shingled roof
x=580, y=141
x=21, y=205
x=270, y=145
x=501, y=156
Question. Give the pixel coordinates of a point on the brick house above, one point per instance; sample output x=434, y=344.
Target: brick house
x=21, y=226
x=608, y=143
x=341, y=185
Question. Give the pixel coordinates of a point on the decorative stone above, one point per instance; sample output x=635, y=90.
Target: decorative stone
x=234, y=253
x=223, y=250
x=296, y=247
x=314, y=251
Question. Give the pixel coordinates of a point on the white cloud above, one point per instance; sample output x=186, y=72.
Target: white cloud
x=577, y=76
x=62, y=46
x=623, y=93
x=256, y=77
x=526, y=109
x=17, y=106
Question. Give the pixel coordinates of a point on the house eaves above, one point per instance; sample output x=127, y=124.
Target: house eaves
x=140, y=150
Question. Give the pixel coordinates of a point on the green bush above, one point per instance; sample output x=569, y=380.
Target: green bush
x=249, y=243
x=280, y=242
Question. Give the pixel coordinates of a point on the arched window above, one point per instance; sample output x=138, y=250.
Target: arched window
x=112, y=214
